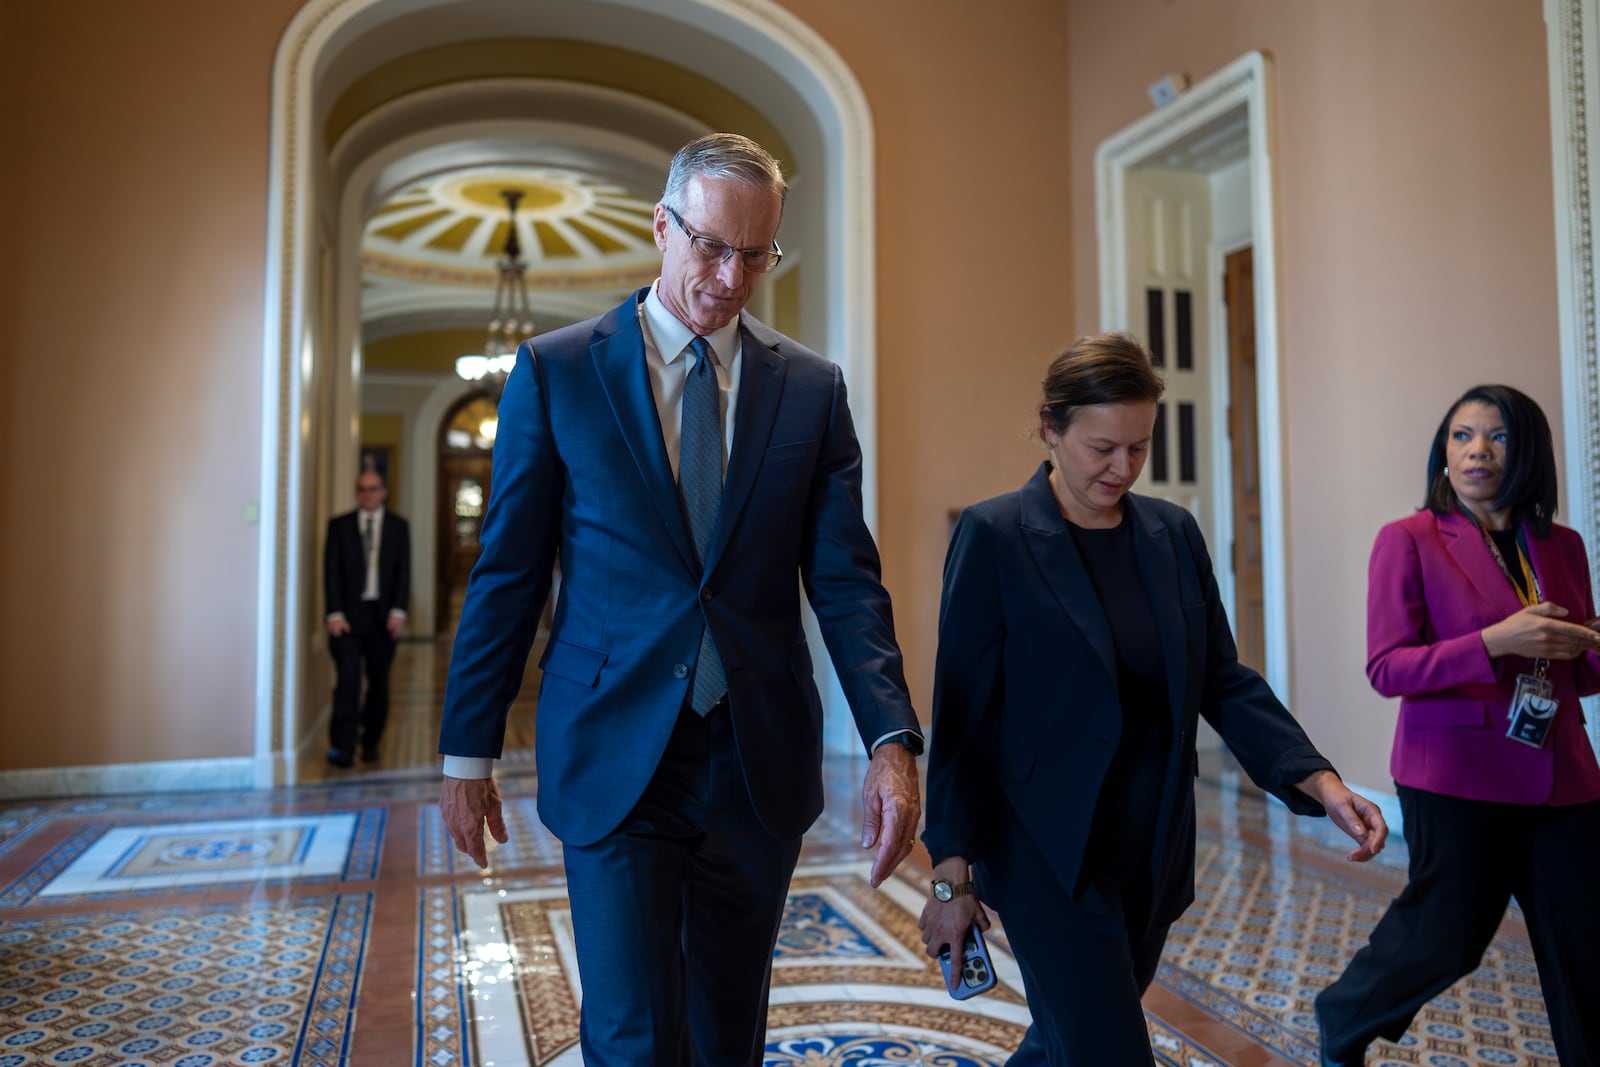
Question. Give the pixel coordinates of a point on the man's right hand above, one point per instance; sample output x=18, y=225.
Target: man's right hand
x=466, y=804
x=338, y=627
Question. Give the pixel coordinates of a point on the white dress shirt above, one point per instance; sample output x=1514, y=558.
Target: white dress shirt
x=373, y=521
x=668, y=358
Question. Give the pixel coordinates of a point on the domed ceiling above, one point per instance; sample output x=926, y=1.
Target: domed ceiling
x=581, y=235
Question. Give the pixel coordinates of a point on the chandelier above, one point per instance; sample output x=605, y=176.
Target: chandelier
x=510, y=321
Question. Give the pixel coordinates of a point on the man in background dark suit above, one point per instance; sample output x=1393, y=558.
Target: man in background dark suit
x=366, y=574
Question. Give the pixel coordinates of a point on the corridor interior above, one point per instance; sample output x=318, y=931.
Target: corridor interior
x=332, y=923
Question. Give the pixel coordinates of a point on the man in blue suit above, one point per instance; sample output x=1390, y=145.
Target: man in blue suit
x=692, y=469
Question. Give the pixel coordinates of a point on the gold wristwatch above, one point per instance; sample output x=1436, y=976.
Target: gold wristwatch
x=946, y=891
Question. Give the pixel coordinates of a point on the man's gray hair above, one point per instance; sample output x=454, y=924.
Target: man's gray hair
x=722, y=157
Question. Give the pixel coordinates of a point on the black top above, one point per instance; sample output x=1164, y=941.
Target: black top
x=1122, y=836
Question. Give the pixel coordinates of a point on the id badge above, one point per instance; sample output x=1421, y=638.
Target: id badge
x=1533, y=710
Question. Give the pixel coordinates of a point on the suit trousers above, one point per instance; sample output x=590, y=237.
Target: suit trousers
x=1086, y=958
x=1468, y=859
x=367, y=644
x=676, y=913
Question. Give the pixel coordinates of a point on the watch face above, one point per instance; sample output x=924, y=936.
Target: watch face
x=942, y=890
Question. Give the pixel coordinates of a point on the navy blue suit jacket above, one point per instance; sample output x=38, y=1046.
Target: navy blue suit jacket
x=1026, y=715
x=580, y=470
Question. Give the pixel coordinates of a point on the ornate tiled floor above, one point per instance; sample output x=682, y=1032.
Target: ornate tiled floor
x=331, y=924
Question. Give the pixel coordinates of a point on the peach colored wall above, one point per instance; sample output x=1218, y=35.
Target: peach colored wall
x=1417, y=258
x=974, y=263
x=130, y=426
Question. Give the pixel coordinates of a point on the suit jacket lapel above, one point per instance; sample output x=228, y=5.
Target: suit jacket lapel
x=760, y=388
x=618, y=354
x=1158, y=566
x=1466, y=547
x=1050, y=542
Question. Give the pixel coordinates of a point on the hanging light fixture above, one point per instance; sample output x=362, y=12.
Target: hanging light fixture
x=510, y=321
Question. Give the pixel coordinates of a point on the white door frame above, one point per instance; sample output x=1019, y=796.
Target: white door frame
x=1245, y=82
x=1573, y=41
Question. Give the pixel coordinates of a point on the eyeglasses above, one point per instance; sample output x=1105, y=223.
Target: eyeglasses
x=754, y=260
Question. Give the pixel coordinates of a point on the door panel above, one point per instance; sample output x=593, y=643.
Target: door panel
x=1249, y=614
x=1169, y=217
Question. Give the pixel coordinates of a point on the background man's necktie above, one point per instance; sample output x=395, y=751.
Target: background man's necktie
x=369, y=561
x=700, y=483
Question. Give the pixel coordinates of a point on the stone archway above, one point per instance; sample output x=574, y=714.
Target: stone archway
x=766, y=53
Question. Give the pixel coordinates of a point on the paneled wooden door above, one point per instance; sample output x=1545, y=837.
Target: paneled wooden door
x=1249, y=614
x=463, y=498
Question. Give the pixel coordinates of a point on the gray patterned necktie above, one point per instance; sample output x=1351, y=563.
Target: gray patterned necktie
x=700, y=483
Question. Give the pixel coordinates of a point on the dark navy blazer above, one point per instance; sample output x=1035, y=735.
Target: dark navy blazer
x=1026, y=715
x=580, y=469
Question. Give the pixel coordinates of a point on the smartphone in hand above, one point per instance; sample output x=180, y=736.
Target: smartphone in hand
x=977, y=971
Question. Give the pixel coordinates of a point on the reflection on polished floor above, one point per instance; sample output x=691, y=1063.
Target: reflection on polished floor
x=332, y=924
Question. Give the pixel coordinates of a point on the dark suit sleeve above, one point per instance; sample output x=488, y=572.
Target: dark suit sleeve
x=401, y=596
x=333, y=572
x=968, y=688
x=1266, y=740
x=839, y=566
x=506, y=593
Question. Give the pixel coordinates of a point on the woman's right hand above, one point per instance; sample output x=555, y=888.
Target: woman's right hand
x=1539, y=632
x=946, y=922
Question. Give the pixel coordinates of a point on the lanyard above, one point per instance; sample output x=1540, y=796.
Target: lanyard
x=1529, y=591
x=1534, y=594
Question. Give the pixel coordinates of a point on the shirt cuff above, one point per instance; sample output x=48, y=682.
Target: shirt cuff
x=469, y=766
x=335, y=615
x=892, y=734
x=394, y=612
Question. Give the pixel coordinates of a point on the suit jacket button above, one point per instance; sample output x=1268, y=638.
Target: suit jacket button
x=680, y=671
x=706, y=594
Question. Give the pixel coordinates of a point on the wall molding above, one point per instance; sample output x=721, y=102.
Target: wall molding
x=164, y=776
x=1573, y=37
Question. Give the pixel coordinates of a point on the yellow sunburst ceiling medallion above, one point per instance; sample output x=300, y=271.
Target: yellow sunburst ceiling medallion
x=577, y=231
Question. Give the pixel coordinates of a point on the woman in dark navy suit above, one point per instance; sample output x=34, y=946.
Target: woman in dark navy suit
x=1081, y=638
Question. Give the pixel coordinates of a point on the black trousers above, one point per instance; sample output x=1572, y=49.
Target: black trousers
x=367, y=644
x=676, y=912
x=1086, y=959
x=1468, y=859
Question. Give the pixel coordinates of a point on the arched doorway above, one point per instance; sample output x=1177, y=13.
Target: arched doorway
x=466, y=439
x=768, y=58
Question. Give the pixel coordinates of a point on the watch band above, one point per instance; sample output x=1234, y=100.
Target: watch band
x=955, y=889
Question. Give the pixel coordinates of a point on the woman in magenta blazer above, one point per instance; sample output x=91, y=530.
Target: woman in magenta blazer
x=1466, y=595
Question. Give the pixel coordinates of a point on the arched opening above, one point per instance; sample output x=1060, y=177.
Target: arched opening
x=349, y=128
x=466, y=437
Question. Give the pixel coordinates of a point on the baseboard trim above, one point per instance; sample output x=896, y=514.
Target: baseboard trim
x=166, y=776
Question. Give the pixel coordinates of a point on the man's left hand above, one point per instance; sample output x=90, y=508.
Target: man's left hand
x=1351, y=812
x=395, y=624
x=892, y=806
